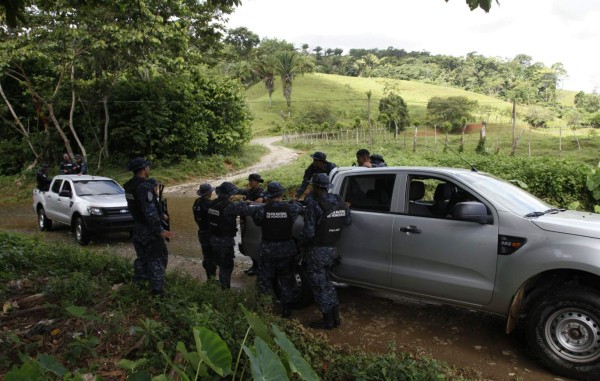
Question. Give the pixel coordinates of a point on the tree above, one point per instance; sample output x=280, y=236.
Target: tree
x=453, y=110
x=394, y=113
x=288, y=65
x=72, y=54
x=243, y=41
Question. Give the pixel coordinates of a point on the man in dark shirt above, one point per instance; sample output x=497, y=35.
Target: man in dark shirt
x=326, y=215
x=222, y=214
x=319, y=165
x=254, y=193
x=43, y=182
x=277, y=246
x=200, y=210
x=148, y=232
x=66, y=165
x=80, y=167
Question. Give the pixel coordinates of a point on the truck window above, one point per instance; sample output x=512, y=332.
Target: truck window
x=97, y=187
x=56, y=186
x=434, y=197
x=67, y=186
x=369, y=192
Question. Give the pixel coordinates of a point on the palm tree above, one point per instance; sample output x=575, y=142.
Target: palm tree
x=265, y=70
x=288, y=65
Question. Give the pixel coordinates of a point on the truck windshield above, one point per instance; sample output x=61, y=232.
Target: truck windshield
x=511, y=197
x=97, y=187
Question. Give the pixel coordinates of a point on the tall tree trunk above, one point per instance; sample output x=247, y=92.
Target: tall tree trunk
x=59, y=129
x=71, y=112
x=560, y=141
x=21, y=128
x=104, y=149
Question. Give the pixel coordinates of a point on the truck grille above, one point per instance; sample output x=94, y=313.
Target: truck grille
x=116, y=211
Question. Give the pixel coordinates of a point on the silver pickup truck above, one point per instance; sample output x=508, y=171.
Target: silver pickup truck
x=469, y=239
x=88, y=204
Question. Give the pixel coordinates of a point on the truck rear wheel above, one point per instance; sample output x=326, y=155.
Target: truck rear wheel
x=563, y=331
x=81, y=233
x=44, y=223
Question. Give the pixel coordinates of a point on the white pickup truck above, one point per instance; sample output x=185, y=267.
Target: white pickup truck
x=88, y=204
x=468, y=239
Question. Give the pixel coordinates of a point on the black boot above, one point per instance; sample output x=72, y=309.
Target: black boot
x=326, y=323
x=335, y=312
x=286, y=310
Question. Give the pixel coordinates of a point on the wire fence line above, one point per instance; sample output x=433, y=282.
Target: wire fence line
x=565, y=143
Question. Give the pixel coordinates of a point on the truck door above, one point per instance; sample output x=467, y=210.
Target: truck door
x=437, y=255
x=63, y=204
x=52, y=199
x=365, y=246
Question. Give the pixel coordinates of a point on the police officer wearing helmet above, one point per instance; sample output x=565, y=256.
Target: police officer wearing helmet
x=319, y=165
x=222, y=216
x=326, y=215
x=200, y=210
x=148, y=233
x=254, y=193
x=277, y=247
x=80, y=167
x=42, y=179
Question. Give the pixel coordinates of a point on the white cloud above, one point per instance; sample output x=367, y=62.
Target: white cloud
x=566, y=31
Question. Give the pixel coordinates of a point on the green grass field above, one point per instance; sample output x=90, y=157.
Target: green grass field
x=347, y=97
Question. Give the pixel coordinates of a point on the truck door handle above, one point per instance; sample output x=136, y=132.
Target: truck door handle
x=410, y=229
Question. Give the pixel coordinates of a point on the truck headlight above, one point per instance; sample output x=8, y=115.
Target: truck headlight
x=95, y=211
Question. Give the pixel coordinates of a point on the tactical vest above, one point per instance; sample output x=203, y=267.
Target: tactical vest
x=329, y=227
x=201, y=214
x=278, y=222
x=254, y=194
x=221, y=225
x=133, y=204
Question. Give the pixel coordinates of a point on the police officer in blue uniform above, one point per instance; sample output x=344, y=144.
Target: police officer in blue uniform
x=319, y=165
x=277, y=247
x=326, y=215
x=80, y=167
x=200, y=210
x=42, y=179
x=148, y=233
x=222, y=216
x=66, y=165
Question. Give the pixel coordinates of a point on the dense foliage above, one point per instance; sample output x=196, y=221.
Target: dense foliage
x=90, y=319
x=74, y=64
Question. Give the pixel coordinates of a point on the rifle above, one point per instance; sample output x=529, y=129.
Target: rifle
x=166, y=223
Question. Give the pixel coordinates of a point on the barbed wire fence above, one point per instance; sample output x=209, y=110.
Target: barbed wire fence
x=565, y=142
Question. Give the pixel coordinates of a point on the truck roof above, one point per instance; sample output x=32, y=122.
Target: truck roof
x=82, y=177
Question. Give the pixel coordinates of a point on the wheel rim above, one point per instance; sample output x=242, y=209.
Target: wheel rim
x=41, y=219
x=574, y=335
x=78, y=230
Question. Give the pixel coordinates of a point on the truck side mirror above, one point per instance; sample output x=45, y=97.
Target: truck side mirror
x=65, y=193
x=472, y=211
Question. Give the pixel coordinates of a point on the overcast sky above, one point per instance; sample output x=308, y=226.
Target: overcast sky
x=566, y=31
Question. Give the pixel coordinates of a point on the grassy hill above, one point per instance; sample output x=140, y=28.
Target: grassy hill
x=346, y=96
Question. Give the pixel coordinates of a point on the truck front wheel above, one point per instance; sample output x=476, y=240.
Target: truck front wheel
x=81, y=233
x=44, y=223
x=563, y=331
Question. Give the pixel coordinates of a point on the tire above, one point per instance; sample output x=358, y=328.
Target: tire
x=82, y=235
x=303, y=296
x=563, y=331
x=44, y=223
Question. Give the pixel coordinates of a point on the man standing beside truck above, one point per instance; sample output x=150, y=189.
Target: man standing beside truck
x=148, y=232
x=326, y=215
x=277, y=247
